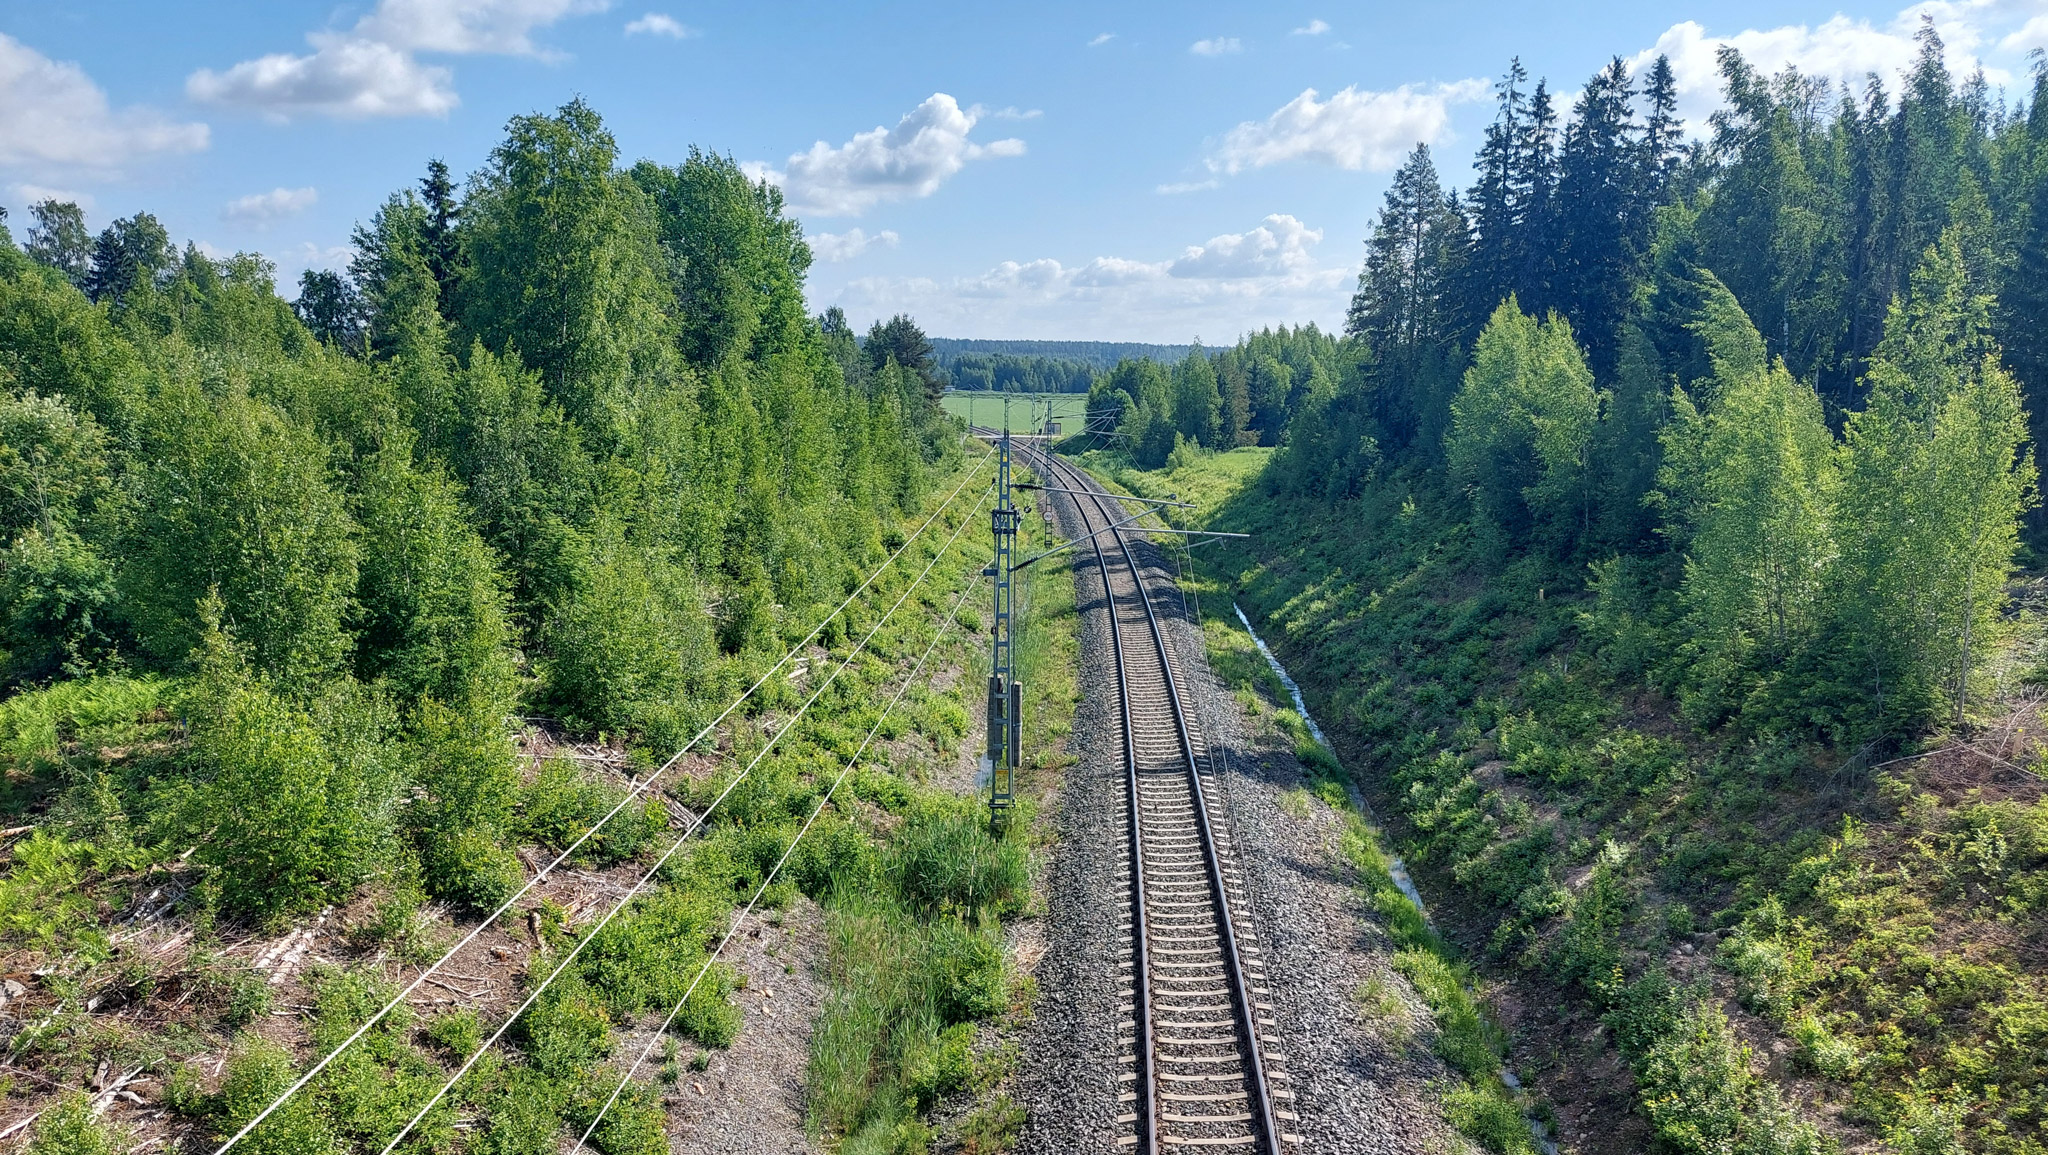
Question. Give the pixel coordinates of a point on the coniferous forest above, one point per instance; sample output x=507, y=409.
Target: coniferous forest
x=1659, y=538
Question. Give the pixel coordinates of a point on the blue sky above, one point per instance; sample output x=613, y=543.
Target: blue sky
x=1046, y=170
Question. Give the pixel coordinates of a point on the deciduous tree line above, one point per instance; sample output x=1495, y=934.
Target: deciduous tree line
x=562, y=440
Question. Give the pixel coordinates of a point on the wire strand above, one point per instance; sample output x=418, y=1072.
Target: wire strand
x=902, y=690
x=591, y=936
x=637, y=790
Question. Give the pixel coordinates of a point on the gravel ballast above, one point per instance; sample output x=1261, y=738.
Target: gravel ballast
x=1355, y=1035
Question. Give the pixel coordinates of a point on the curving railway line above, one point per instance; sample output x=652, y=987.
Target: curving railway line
x=1196, y=1072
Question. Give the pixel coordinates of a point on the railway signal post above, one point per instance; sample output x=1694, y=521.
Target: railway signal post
x=1005, y=695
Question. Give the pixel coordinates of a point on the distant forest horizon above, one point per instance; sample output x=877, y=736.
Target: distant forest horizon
x=1038, y=366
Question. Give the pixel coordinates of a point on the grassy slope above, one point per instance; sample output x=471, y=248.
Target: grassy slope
x=898, y=1062
x=189, y=998
x=1657, y=900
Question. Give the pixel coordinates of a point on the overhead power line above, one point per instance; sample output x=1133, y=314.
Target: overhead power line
x=637, y=791
x=591, y=936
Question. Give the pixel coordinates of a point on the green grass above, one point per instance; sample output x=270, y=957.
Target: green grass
x=984, y=408
x=915, y=957
x=537, y=1087
x=1572, y=826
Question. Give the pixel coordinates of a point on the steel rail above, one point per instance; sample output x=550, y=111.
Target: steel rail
x=1268, y=1136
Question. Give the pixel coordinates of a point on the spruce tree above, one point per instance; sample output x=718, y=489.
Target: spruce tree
x=1596, y=214
x=439, y=242
x=1496, y=212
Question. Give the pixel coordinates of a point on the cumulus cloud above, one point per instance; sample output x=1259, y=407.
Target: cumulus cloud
x=1277, y=248
x=928, y=146
x=374, y=70
x=835, y=247
x=1229, y=283
x=1847, y=50
x=29, y=193
x=659, y=24
x=1354, y=129
x=1312, y=28
x=1102, y=39
x=351, y=79
x=1217, y=46
x=264, y=208
x=469, y=27
x=52, y=116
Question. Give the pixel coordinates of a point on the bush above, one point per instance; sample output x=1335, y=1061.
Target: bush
x=459, y=1033
x=561, y=803
x=70, y=1129
x=708, y=1015
x=948, y=861
x=966, y=971
x=1701, y=1095
x=566, y=1030
x=636, y=1124
x=257, y=1072
x=525, y=1115
x=1486, y=1115
x=940, y=1065
x=294, y=826
x=472, y=868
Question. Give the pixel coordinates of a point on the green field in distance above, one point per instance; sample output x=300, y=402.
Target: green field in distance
x=986, y=408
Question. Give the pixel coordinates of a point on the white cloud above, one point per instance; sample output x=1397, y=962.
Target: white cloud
x=469, y=27
x=52, y=116
x=1845, y=50
x=835, y=247
x=1107, y=272
x=27, y=193
x=374, y=69
x=906, y=162
x=1014, y=113
x=1230, y=283
x=659, y=24
x=1277, y=248
x=1353, y=129
x=1186, y=186
x=346, y=78
x=1312, y=28
x=1217, y=46
x=261, y=209
x=1101, y=40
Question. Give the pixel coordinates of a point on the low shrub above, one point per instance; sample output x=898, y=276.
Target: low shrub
x=69, y=1128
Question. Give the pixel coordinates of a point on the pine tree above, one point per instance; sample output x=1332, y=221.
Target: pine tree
x=330, y=309
x=1535, y=195
x=129, y=254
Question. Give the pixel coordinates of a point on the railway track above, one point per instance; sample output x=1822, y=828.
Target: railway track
x=1196, y=1072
